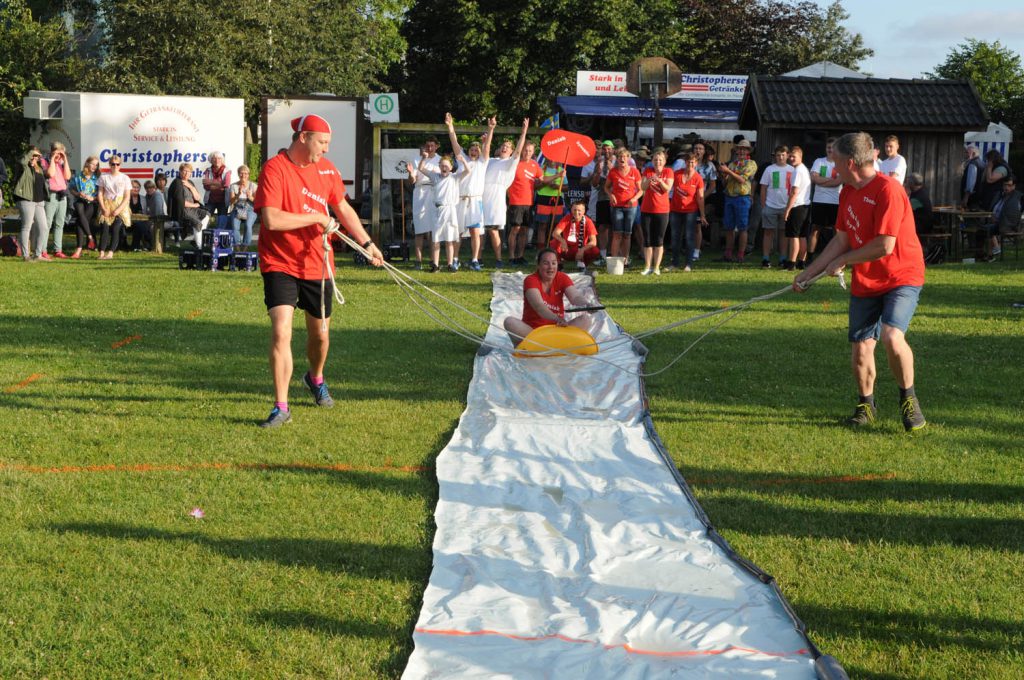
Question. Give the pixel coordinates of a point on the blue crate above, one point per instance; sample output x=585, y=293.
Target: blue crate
x=222, y=239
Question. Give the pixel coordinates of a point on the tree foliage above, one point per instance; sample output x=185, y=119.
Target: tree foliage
x=766, y=36
x=478, y=57
x=283, y=48
x=34, y=55
x=997, y=74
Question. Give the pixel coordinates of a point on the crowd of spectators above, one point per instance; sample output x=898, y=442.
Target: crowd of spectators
x=104, y=204
x=637, y=201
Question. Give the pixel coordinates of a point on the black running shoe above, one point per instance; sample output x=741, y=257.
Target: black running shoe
x=320, y=394
x=913, y=419
x=863, y=415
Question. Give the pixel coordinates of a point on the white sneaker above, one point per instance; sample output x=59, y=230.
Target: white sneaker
x=645, y=272
x=687, y=268
x=657, y=272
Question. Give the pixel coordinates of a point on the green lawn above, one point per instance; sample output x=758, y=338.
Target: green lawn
x=904, y=555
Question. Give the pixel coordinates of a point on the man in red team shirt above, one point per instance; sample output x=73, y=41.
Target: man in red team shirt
x=875, y=233
x=575, y=237
x=520, y=202
x=295, y=190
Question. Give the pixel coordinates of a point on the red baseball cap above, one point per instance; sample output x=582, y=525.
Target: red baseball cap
x=311, y=123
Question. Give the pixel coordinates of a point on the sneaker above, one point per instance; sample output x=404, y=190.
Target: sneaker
x=474, y=266
x=433, y=267
x=687, y=268
x=997, y=252
x=671, y=267
x=727, y=257
x=695, y=255
x=320, y=394
x=581, y=266
x=60, y=255
x=455, y=263
x=645, y=272
x=453, y=268
x=498, y=264
x=44, y=256
x=765, y=264
x=599, y=262
x=657, y=272
x=913, y=419
x=800, y=264
x=92, y=244
x=277, y=418
x=418, y=266
x=863, y=415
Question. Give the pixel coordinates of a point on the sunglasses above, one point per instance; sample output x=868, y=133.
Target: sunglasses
x=114, y=164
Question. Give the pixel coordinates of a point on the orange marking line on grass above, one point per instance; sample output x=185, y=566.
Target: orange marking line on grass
x=172, y=467
x=121, y=343
x=625, y=647
x=24, y=383
x=193, y=314
x=782, y=481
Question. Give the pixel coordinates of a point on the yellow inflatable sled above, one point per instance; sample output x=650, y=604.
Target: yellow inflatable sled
x=544, y=341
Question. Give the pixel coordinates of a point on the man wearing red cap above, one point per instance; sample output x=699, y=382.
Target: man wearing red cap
x=295, y=190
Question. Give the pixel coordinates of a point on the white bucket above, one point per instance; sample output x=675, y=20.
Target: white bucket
x=615, y=265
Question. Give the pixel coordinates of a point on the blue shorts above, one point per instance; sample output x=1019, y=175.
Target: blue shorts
x=736, y=215
x=895, y=308
x=622, y=219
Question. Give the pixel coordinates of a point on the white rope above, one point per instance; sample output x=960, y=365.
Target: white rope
x=412, y=289
x=328, y=270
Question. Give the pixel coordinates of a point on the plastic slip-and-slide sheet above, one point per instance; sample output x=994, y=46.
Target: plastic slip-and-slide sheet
x=566, y=547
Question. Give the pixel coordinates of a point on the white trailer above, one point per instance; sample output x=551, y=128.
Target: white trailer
x=149, y=132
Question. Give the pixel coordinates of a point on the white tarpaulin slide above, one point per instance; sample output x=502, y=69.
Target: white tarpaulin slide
x=567, y=546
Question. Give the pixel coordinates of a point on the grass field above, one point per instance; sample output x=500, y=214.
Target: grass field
x=129, y=393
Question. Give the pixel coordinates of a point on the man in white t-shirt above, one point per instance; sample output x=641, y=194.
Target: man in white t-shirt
x=424, y=207
x=797, y=222
x=893, y=164
x=825, y=200
x=777, y=197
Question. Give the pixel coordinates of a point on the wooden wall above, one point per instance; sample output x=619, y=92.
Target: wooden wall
x=936, y=155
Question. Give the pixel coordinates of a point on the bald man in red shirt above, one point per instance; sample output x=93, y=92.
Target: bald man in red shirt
x=875, y=234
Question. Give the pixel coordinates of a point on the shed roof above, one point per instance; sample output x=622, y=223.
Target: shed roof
x=862, y=104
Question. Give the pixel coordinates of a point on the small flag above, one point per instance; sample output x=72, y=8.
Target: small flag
x=550, y=123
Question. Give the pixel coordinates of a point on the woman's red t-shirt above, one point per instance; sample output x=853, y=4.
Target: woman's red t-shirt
x=554, y=299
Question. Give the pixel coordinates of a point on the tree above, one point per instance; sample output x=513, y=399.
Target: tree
x=765, y=36
x=283, y=48
x=34, y=55
x=514, y=58
x=495, y=56
x=997, y=74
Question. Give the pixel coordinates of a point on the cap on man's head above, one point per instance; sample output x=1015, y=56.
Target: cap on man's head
x=311, y=123
x=743, y=144
x=608, y=142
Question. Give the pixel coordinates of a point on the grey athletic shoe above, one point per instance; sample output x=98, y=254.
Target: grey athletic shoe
x=863, y=415
x=277, y=418
x=320, y=394
x=913, y=419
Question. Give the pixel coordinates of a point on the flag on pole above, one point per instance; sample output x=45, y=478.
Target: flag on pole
x=549, y=123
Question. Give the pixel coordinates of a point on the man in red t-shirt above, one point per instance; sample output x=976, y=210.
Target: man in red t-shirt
x=520, y=202
x=575, y=237
x=875, y=233
x=296, y=189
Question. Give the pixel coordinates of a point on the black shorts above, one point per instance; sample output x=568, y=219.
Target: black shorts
x=796, y=225
x=519, y=215
x=283, y=289
x=604, y=213
x=824, y=214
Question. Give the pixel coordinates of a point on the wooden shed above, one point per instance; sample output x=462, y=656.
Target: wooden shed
x=929, y=117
